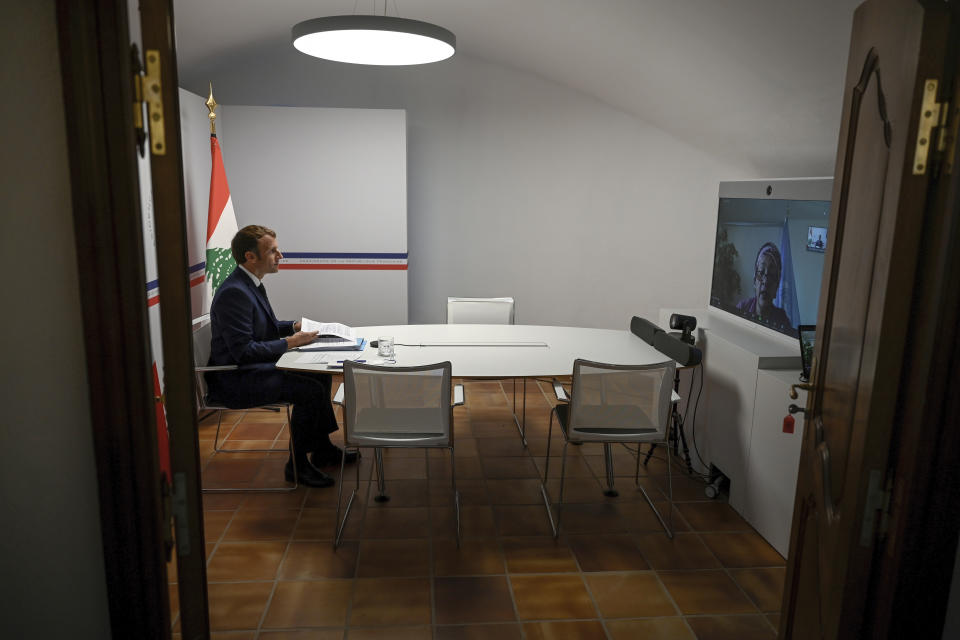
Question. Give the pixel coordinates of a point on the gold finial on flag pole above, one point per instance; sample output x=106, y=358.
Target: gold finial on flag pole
x=212, y=105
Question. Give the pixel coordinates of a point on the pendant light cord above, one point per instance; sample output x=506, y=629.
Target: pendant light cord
x=396, y=9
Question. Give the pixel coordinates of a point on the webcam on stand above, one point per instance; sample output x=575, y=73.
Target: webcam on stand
x=686, y=325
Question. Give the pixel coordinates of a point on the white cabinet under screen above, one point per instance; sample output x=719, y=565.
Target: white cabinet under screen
x=748, y=379
x=774, y=458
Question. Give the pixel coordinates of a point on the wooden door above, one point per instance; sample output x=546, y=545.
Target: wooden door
x=97, y=93
x=166, y=176
x=879, y=291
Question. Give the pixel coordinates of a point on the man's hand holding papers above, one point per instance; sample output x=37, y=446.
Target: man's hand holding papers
x=330, y=336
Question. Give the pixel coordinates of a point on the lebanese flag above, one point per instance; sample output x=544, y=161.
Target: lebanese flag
x=221, y=225
x=163, y=438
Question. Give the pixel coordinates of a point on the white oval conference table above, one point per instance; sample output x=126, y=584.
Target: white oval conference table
x=488, y=350
x=496, y=351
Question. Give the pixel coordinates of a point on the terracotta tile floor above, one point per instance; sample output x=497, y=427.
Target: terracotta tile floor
x=612, y=574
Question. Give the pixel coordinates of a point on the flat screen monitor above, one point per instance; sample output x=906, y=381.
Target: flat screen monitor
x=763, y=271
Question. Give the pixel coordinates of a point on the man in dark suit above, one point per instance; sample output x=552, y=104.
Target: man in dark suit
x=247, y=333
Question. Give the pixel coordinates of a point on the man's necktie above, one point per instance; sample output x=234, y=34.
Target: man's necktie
x=263, y=292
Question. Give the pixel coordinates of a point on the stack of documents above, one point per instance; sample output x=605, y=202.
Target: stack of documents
x=333, y=336
x=341, y=345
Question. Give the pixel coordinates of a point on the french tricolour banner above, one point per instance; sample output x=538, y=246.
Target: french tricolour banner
x=221, y=226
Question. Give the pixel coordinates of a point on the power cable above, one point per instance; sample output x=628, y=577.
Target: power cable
x=696, y=404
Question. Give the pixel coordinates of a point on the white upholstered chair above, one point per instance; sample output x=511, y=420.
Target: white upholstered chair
x=490, y=311
x=480, y=311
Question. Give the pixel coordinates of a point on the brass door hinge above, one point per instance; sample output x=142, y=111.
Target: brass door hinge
x=933, y=121
x=137, y=67
x=152, y=90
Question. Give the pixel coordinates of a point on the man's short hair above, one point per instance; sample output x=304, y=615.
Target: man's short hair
x=247, y=240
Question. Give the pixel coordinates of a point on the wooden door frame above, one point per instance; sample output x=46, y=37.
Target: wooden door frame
x=904, y=579
x=173, y=268
x=912, y=567
x=96, y=71
x=913, y=573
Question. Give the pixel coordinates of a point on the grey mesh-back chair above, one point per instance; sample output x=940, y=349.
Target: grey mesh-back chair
x=202, y=334
x=490, y=311
x=612, y=404
x=386, y=407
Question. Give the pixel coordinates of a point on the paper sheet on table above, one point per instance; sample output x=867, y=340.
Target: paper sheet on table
x=331, y=360
x=312, y=358
x=337, y=365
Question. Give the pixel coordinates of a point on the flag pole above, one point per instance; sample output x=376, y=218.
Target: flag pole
x=221, y=220
x=212, y=105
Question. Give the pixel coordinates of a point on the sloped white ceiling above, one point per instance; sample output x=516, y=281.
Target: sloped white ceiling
x=759, y=81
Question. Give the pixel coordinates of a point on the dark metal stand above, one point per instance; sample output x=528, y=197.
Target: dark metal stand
x=677, y=437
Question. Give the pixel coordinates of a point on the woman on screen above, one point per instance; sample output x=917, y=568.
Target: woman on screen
x=766, y=281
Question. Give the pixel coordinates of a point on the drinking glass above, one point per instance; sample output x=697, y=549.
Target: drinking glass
x=385, y=346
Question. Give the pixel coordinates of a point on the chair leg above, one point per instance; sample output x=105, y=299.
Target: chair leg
x=521, y=423
x=669, y=493
x=293, y=453
x=563, y=476
x=664, y=523
x=636, y=473
x=546, y=475
x=216, y=436
x=608, y=465
x=523, y=416
x=456, y=495
x=293, y=457
x=381, y=482
x=339, y=525
x=546, y=463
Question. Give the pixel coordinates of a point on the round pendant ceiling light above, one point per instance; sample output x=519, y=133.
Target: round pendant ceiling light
x=373, y=40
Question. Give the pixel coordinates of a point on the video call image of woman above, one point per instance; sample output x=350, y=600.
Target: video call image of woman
x=766, y=281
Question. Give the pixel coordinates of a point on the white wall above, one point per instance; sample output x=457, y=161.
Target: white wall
x=51, y=557
x=306, y=172
x=519, y=186
x=329, y=181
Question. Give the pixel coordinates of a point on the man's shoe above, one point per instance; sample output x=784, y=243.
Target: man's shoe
x=330, y=456
x=308, y=476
